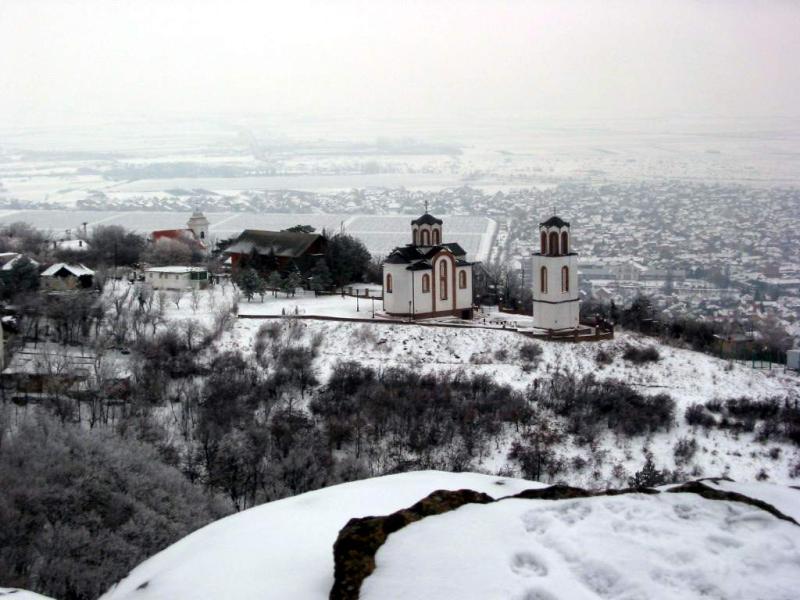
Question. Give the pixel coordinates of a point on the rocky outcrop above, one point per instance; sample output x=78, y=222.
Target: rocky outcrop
x=696, y=487
x=358, y=542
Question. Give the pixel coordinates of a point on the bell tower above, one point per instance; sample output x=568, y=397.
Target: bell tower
x=555, y=278
x=426, y=231
x=199, y=225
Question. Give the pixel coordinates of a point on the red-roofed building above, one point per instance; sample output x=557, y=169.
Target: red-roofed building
x=195, y=234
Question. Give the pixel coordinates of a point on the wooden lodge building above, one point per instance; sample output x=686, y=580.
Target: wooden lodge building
x=267, y=251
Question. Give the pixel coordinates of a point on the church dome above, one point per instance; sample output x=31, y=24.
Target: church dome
x=427, y=219
x=554, y=221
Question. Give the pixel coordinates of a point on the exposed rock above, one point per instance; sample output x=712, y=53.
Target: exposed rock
x=554, y=492
x=695, y=487
x=358, y=541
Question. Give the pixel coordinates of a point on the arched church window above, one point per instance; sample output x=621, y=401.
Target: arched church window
x=543, y=280
x=553, y=243
x=389, y=283
x=202, y=235
x=436, y=237
x=564, y=279
x=462, y=279
x=564, y=243
x=416, y=237
x=426, y=283
x=426, y=237
x=443, y=280
x=544, y=243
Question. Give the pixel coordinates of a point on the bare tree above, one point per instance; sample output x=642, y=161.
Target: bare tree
x=176, y=296
x=194, y=298
x=161, y=302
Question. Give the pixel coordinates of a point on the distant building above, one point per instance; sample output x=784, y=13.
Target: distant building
x=556, y=304
x=268, y=251
x=51, y=369
x=177, y=278
x=734, y=344
x=72, y=245
x=428, y=278
x=66, y=277
x=195, y=235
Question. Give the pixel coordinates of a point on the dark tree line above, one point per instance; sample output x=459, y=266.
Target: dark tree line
x=80, y=508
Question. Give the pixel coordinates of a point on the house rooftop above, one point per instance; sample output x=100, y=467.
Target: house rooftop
x=292, y=244
x=76, y=270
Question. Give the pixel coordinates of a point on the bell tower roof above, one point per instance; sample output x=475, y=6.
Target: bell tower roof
x=427, y=219
x=554, y=221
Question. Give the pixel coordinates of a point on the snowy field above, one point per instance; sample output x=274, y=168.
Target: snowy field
x=669, y=546
x=688, y=377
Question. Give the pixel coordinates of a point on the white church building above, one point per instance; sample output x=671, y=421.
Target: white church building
x=556, y=306
x=427, y=278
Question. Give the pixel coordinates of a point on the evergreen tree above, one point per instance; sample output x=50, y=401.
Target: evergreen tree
x=250, y=283
x=649, y=476
x=294, y=281
x=22, y=278
x=275, y=282
x=347, y=259
x=320, y=276
x=301, y=229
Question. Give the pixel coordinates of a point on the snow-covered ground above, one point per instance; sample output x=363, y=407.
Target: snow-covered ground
x=306, y=304
x=687, y=376
x=18, y=594
x=634, y=546
x=283, y=549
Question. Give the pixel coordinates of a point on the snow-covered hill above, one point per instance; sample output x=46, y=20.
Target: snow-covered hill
x=629, y=546
x=283, y=549
x=686, y=376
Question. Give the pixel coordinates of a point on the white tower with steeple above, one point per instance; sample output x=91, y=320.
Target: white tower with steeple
x=556, y=306
x=199, y=225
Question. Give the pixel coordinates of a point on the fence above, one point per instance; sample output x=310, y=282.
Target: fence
x=585, y=335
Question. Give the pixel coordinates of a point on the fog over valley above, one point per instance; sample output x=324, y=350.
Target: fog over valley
x=399, y=299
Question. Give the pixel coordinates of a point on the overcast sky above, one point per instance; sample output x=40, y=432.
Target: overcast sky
x=399, y=58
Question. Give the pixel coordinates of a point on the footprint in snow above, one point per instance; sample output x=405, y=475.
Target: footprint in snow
x=526, y=564
x=537, y=594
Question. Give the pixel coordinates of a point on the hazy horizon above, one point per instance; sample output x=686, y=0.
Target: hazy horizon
x=454, y=62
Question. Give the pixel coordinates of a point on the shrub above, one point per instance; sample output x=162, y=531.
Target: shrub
x=697, y=414
x=603, y=357
x=684, y=450
x=589, y=404
x=530, y=352
x=641, y=355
